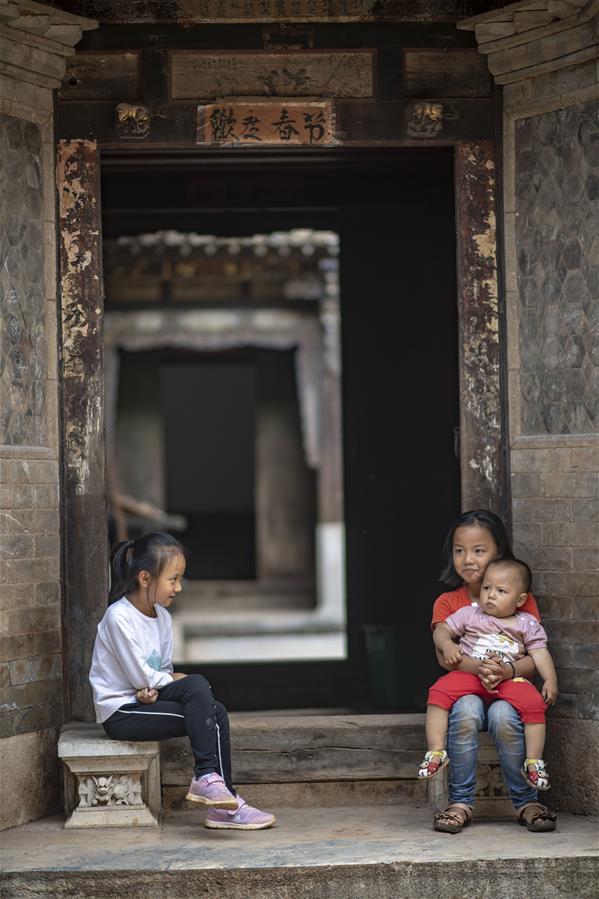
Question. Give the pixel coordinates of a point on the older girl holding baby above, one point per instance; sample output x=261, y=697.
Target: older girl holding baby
x=474, y=540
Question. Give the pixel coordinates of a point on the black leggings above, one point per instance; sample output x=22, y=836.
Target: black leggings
x=185, y=707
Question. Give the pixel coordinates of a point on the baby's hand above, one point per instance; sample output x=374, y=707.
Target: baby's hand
x=146, y=695
x=549, y=692
x=491, y=672
x=452, y=654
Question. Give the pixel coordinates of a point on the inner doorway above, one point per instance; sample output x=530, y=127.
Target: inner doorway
x=393, y=211
x=218, y=448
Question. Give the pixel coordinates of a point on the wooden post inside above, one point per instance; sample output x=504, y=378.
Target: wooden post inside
x=85, y=531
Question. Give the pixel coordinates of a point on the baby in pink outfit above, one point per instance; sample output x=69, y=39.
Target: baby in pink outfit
x=496, y=628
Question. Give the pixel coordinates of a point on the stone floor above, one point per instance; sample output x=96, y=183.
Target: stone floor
x=367, y=851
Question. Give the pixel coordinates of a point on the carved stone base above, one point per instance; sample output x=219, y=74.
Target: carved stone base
x=111, y=817
x=108, y=783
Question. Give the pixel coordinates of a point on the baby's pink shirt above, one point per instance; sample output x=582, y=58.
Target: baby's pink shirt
x=481, y=634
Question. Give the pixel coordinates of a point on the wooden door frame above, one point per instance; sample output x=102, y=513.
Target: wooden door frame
x=482, y=416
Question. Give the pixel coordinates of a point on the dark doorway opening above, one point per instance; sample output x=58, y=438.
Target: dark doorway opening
x=394, y=213
x=209, y=416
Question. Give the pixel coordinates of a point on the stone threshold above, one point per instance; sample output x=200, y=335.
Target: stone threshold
x=387, y=852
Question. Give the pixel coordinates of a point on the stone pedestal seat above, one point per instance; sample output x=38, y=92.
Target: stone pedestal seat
x=108, y=783
x=299, y=760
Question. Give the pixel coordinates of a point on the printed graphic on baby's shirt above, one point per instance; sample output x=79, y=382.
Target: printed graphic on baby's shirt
x=154, y=660
x=496, y=644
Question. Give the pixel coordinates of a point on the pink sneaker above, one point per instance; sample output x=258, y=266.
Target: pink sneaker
x=244, y=818
x=212, y=791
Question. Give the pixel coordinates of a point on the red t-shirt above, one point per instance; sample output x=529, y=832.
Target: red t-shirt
x=448, y=603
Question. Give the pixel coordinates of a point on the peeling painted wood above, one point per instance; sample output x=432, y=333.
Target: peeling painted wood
x=86, y=549
x=480, y=410
x=312, y=73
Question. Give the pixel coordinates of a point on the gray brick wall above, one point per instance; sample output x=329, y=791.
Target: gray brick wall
x=557, y=240
x=30, y=607
x=556, y=529
x=553, y=318
x=30, y=629
x=22, y=328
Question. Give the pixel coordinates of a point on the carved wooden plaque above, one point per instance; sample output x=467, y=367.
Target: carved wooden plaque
x=281, y=123
x=100, y=76
x=446, y=73
x=205, y=75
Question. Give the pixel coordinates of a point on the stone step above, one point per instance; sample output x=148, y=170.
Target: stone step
x=383, y=852
x=292, y=748
x=301, y=758
x=315, y=794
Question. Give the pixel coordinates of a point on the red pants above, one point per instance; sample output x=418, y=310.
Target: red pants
x=520, y=693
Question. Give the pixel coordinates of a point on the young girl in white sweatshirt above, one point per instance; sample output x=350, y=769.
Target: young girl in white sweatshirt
x=138, y=696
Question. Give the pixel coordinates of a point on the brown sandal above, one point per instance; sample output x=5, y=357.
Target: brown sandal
x=452, y=820
x=541, y=820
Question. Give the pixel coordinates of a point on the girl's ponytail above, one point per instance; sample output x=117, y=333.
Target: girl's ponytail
x=122, y=573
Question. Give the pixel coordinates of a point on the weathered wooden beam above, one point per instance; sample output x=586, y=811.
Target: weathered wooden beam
x=455, y=72
x=101, y=76
x=481, y=432
x=206, y=75
x=85, y=521
x=358, y=122
x=210, y=12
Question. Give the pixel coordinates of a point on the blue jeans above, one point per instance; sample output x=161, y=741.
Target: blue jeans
x=469, y=716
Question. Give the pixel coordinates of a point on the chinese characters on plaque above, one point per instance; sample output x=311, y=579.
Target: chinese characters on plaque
x=309, y=123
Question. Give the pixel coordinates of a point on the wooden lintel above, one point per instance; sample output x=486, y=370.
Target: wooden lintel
x=358, y=122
